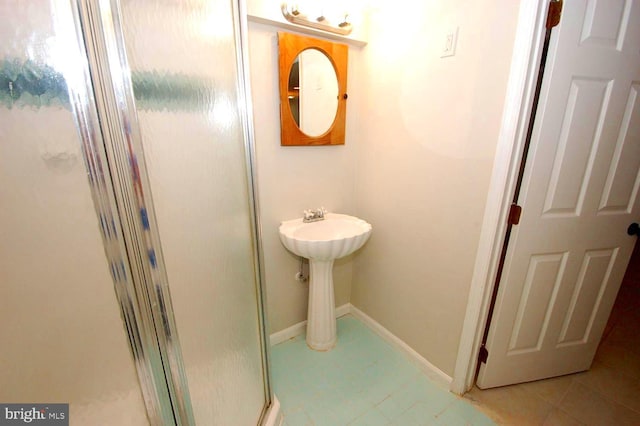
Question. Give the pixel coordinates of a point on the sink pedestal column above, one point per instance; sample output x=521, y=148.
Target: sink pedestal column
x=321, y=317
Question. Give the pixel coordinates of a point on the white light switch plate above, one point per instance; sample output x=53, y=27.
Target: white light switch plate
x=450, y=41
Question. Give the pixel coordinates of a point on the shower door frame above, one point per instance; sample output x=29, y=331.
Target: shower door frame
x=241, y=37
x=104, y=107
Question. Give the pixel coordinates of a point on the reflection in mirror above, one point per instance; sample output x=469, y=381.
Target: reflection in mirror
x=313, y=92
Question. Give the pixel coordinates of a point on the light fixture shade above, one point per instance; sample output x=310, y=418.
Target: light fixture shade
x=325, y=20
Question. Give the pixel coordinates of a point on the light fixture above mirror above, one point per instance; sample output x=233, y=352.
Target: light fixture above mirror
x=293, y=13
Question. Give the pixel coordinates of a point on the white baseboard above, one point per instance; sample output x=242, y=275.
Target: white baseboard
x=433, y=372
x=287, y=333
x=298, y=329
x=343, y=310
x=274, y=415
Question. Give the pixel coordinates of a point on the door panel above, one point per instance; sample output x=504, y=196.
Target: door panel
x=532, y=317
x=621, y=188
x=64, y=340
x=62, y=332
x=577, y=145
x=568, y=255
x=605, y=23
x=592, y=281
x=182, y=56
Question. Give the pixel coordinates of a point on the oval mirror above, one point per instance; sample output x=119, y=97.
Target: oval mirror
x=312, y=81
x=313, y=92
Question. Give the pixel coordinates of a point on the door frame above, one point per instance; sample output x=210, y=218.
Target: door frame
x=525, y=63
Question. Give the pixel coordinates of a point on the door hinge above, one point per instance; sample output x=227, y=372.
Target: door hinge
x=514, y=214
x=553, y=16
x=483, y=354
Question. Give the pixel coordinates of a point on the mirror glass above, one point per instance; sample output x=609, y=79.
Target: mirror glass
x=313, y=92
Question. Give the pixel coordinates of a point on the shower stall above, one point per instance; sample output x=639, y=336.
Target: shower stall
x=129, y=260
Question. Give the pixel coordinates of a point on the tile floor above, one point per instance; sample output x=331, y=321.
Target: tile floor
x=362, y=381
x=607, y=394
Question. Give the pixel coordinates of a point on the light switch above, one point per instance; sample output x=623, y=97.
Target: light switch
x=450, y=41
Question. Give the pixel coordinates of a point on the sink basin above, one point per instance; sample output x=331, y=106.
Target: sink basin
x=322, y=242
x=338, y=235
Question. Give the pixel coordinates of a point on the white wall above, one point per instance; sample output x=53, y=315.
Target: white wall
x=429, y=134
x=291, y=179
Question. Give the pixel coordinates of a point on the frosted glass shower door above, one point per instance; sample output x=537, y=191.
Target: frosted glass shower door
x=62, y=338
x=183, y=61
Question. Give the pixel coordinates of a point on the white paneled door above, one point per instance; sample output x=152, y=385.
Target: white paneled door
x=567, y=257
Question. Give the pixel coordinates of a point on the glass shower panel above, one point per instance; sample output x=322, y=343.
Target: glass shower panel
x=182, y=56
x=61, y=331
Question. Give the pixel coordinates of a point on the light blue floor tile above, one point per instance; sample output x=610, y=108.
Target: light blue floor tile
x=451, y=418
x=372, y=417
x=419, y=390
x=348, y=327
x=298, y=418
x=334, y=410
x=379, y=381
x=419, y=414
x=362, y=381
x=393, y=407
x=461, y=412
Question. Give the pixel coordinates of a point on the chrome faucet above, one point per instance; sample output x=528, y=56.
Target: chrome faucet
x=314, y=215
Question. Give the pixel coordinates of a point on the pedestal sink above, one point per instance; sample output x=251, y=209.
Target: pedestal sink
x=322, y=242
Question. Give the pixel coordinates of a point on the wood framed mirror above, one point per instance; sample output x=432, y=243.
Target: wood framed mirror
x=313, y=90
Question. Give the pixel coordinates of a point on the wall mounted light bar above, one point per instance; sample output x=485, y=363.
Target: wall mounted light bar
x=293, y=14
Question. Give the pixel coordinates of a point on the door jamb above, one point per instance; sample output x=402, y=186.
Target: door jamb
x=525, y=62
